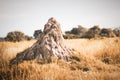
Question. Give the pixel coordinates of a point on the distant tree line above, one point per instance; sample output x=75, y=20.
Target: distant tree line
x=16, y=36
x=93, y=32
x=76, y=32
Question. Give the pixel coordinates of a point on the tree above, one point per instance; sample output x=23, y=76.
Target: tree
x=75, y=31
x=15, y=36
x=37, y=33
x=107, y=32
x=117, y=31
x=2, y=39
x=26, y=37
x=93, y=32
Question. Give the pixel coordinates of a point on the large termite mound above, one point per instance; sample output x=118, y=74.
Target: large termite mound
x=50, y=43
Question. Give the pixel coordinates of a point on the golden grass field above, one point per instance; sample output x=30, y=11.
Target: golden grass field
x=96, y=59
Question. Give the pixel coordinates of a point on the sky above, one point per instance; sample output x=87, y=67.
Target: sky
x=30, y=15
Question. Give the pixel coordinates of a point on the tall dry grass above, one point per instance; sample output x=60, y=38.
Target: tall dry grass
x=10, y=49
x=106, y=49
x=97, y=59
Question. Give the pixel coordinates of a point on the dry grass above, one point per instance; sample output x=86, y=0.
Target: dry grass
x=10, y=49
x=97, y=59
x=108, y=48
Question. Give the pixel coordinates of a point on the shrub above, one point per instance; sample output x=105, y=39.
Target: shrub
x=75, y=31
x=117, y=31
x=92, y=32
x=28, y=37
x=71, y=36
x=67, y=32
x=2, y=39
x=37, y=34
x=78, y=30
x=15, y=36
x=107, y=33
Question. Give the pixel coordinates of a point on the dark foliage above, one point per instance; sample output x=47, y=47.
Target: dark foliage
x=71, y=36
x=92, y=32
x=107, y=33
x=2, y=39
x=117, y=31
x=28, y=37
x=16, y=36
x=75, y=31
x=37, y=34
x=67, y=32
x=78, y=30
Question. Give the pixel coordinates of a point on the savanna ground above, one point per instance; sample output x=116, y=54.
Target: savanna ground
x=96, y=59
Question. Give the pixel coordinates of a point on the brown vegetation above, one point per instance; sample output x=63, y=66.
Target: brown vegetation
x=16, y=36
x=117, y=31
x=93, y=32
x=53, y=58
x=97, y=59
